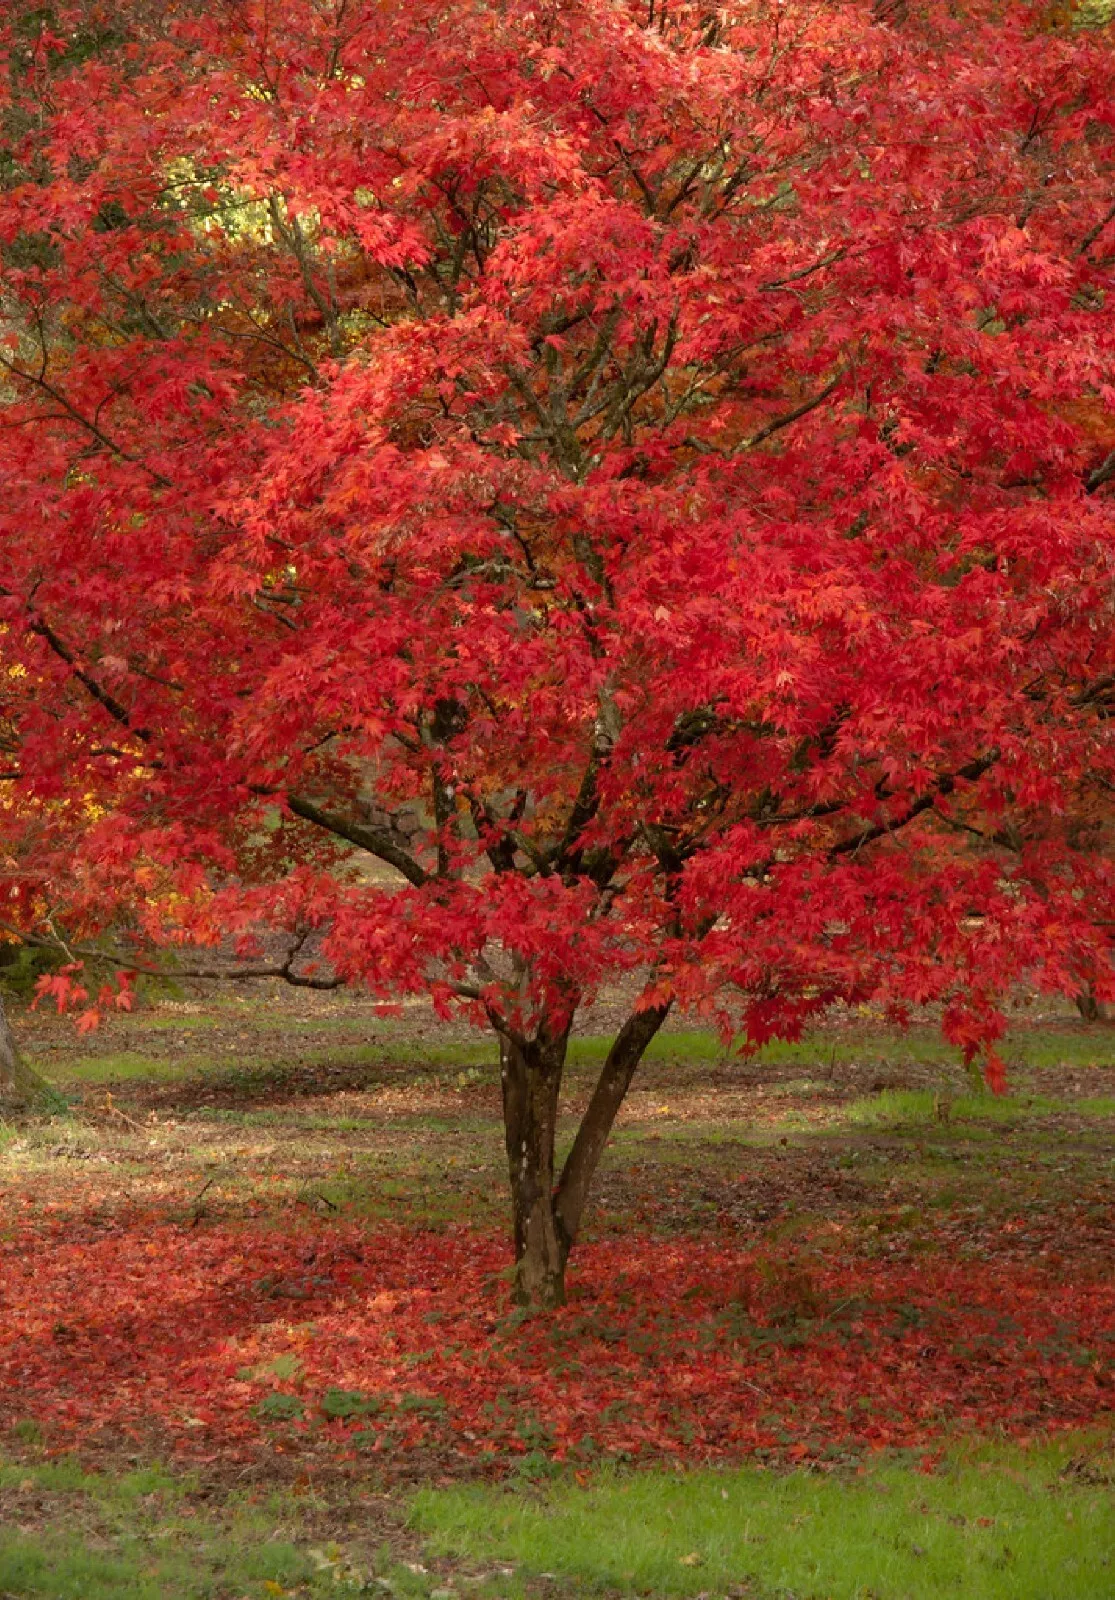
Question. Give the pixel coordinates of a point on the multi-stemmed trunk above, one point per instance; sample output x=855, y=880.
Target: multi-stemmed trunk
x=547, y=1206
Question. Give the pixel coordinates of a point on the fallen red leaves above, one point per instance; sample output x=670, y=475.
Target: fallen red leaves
x=234, y=1342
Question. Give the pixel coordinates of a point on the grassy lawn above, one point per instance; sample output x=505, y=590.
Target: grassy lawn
x=841, y=1324
x=992, y=1523
x=1000, y=1524
x=74, y=1535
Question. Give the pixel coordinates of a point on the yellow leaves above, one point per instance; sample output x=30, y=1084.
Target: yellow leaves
x=1085, y=14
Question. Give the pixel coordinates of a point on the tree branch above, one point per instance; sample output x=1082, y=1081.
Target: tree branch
x=944, y=785
x=128, y=963
x=39, y=381
x=374, y=840
x=778, y=423
x=1093, y=234
x=596, y=1124
x=1103, y=474
x=119, y=713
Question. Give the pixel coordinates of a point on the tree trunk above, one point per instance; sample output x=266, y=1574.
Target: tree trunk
x=530, y=1073
x=21, y=1088
x=1091, y=1009
x=547, y=1215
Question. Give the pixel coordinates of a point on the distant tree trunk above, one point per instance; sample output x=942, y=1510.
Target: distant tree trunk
x=546, y=1214
x=1091, y=1009
x=21, y=1088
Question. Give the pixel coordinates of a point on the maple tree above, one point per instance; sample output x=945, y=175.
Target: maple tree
x=639, y=473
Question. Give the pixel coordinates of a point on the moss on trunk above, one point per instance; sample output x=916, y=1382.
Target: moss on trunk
x=22, y=1089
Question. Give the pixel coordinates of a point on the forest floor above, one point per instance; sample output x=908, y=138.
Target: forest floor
x=841, y=1325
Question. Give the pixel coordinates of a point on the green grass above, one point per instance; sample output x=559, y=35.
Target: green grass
x=237, y=1068
x=252, y=1064
x=898, y=1107
x=991, y=1523
x=127, y=1066
x=252, y=1067
x=140, y=1537
x=994, y=1525
x=181, y=1022
x=1039, y=1048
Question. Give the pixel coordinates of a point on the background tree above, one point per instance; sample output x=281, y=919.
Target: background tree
x=613, y=465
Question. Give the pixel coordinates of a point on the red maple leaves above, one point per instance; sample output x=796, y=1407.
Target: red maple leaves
x=664, y=460
x=235, y=1341
x=68, y=992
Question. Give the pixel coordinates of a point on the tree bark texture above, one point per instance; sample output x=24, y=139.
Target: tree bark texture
x=1091, y=1009
x=530, y=1074
x=547, y=1208
x=21, y=1087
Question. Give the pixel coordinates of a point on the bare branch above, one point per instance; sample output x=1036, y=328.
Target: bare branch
x=127, y=962
x=374, y=840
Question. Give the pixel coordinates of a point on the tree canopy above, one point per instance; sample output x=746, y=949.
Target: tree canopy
x=641, y=474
